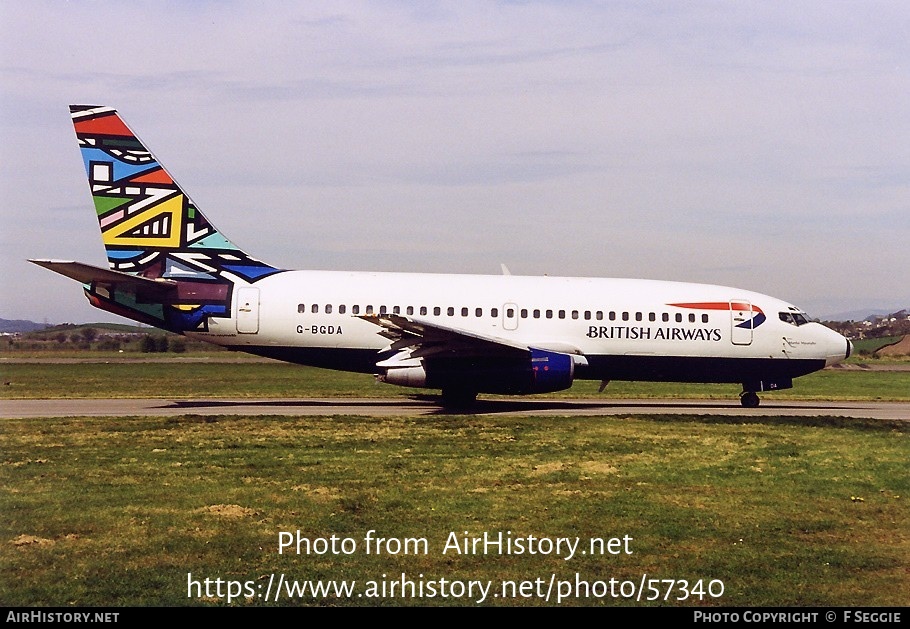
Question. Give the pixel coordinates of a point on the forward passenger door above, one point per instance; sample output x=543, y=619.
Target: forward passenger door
x=741, y=322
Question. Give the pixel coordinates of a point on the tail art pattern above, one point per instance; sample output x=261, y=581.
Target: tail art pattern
x=151, y=228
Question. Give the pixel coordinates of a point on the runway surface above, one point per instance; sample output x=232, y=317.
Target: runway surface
x=418, y=407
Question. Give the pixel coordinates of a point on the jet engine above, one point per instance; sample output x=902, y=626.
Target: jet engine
x=541, y=371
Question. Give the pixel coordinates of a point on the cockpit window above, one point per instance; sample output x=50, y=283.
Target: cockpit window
x=794, y=318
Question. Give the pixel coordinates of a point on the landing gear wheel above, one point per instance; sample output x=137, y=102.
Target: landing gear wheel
x=749, y=399
x=458, y=398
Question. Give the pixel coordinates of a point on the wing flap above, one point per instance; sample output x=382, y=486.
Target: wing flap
x=429, y=339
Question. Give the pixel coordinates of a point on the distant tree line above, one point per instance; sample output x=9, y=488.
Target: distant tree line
x=869, y=330
x=91, y=339
x=159, y=343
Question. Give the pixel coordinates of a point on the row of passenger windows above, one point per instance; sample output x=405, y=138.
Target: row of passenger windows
x=524, y=313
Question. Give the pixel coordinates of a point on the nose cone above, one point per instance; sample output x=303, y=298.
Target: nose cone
x=838, y=348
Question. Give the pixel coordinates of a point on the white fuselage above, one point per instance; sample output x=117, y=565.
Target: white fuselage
x=306, y=315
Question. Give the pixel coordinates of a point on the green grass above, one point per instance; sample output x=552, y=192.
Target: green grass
x=117, y=511
x=176, y=379
x=869, y=346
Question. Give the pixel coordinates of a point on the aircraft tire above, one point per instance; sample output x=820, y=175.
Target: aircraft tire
x=458, y=398
x=749, y=399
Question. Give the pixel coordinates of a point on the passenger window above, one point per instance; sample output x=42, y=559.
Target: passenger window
x=678, y=317
x=396, y=309
x=495, y=312
x=638, y=316
x=599, y=315
x=652, y=316
x=464, y=312
x=328, y=308
x=537, y=313
x=574, y=314
x=437, y=310
x=587, y=315
x=510, y=313
x=562, y=314
x=301, y=308
x=612, y=316
x=410, y=310
x=691, y=317
x=341, y=309
x=315, y=308
x=665, y=317
x=478, y=312
x=370, y=309
x=704, y=318
x=625, y=316
x=382, y=310
x=450, y=311
x=423, y=310
x=355, y=309
x=524, y=313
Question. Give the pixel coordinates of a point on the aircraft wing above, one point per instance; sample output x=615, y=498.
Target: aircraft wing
x=424, y=338
x=88, y=274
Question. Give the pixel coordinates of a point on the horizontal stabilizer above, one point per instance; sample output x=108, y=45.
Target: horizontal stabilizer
x=88, y=274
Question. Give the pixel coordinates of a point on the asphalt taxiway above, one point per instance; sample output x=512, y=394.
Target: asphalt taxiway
x=373, y=407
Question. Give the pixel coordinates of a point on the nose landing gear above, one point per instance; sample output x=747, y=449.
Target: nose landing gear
x=749, y=399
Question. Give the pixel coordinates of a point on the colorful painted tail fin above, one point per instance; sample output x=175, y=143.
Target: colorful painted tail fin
x=149, y=226
x=169, y=266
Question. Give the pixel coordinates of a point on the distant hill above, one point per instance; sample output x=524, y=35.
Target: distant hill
x=22, y=326
x=901, y=348
x=862, y=315
x=19, y=326
x=110, y=328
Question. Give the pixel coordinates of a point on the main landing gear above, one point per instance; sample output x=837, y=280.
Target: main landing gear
x=749, y=399
x=455, y=398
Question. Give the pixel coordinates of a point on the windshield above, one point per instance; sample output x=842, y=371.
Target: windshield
x=794, y=316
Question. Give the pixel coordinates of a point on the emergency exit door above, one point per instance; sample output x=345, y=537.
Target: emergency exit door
x=509, y=316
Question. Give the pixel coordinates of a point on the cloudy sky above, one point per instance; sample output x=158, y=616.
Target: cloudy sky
x=761, y=145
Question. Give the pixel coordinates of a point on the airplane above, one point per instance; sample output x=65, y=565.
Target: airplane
x=171, y=268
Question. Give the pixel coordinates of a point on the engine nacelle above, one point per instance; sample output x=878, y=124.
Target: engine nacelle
x=543, y=372
x=404, y=376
